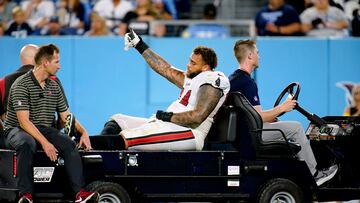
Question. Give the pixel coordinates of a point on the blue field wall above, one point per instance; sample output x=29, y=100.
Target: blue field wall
x=286, y=60
x=101, y=79
x=344, y=65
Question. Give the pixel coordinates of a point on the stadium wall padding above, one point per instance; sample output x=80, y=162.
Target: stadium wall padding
x=101, y=79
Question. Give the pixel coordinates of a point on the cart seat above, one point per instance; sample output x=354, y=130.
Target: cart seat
x=238, y=126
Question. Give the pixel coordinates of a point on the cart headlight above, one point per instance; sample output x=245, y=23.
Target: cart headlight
x=132, y=160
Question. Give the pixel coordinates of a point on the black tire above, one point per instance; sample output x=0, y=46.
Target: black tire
x=280, y=190
x=110, y=192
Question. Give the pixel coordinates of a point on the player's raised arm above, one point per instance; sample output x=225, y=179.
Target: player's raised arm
x=156, y=62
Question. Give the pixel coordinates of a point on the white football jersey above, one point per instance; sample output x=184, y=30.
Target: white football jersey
x=188, y=98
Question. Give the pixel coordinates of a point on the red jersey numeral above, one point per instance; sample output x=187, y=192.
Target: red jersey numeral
x=185, y=100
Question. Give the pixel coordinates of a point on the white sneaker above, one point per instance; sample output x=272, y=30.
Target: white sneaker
x=325, y=175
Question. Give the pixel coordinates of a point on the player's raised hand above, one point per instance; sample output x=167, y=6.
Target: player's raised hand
x=131, y=39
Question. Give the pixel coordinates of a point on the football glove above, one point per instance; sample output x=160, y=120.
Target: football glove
x=164, y=116
x=131, y=39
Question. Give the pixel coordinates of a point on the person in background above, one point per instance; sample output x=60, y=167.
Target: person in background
x=324, y=20
x=207, y=30
x=162, y=14
x=354, y=109
x=355, y=23
x=113, y=11
x=2, y=31
x=299, y=5
x=98, y=26
x=71, y=15
x=159, y=9
x=278, y=19
x=183, y=8
x=349, y=7
x=19, y=28
x=138, y=18
x=38, y=13
x=53, y=27
x=27, y=54
x=170, y=7
x=6, y=7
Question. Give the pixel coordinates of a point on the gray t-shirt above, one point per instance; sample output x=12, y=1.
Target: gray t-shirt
x=333, y=14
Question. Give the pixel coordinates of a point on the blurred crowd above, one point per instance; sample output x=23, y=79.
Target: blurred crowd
x=309, y=17
x=21, y=18
x=76, y=17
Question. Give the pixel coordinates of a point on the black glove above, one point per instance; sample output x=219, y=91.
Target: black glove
x=315, y=23
x=163, y=115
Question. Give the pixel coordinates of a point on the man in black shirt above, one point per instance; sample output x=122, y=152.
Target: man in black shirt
x=247, y=56
x=27, y=54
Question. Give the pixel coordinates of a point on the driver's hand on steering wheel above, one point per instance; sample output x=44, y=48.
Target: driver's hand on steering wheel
x=288, y=105
x=290, y=96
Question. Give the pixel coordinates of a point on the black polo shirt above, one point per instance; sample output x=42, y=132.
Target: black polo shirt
x=7, y=81
x=241, y=81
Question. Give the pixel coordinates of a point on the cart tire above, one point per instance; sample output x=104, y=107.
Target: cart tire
x=280, y=190
x=110, y=192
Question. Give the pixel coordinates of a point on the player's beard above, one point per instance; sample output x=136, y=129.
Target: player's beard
x=193, y=74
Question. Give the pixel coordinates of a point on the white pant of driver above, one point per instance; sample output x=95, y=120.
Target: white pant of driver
x=153, y=134
x=295, y=132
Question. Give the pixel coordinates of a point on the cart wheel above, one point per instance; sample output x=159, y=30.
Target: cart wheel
x=280, y=190
x=110, y=192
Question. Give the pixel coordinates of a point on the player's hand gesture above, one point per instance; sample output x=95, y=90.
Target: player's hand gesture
x=131, y=39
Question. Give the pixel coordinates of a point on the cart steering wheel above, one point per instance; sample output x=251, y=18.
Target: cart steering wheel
x=291, y=91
